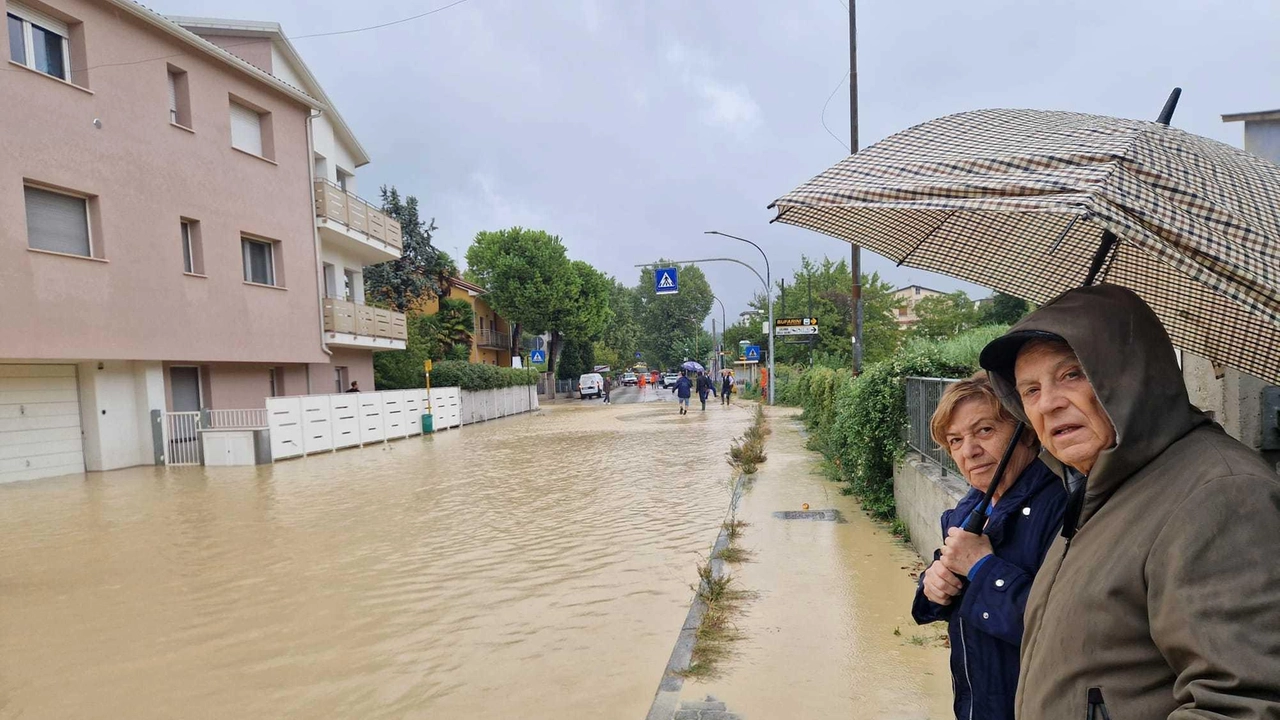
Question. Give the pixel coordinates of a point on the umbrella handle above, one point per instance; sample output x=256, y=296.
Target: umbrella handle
x=978, y=518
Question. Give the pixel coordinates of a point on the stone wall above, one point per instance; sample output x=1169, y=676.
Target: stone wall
x=922, y=493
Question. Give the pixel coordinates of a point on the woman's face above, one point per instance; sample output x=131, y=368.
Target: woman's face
x=977, y=437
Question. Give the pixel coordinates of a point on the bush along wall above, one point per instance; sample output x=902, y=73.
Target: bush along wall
x=475, y=376
x=860, y=424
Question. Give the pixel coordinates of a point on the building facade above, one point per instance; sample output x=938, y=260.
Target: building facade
x=491, y=342
x=907, y=297
x=162, y=248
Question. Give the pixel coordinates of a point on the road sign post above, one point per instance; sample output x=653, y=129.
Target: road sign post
x=537, y=357
x=666, y=281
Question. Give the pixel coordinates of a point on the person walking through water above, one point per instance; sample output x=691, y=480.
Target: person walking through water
x=726, y=387
x=705, y=387
x=608, y=388
x=682, y=390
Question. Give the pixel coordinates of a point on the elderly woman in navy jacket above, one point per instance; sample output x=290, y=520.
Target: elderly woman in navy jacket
x=979, y=583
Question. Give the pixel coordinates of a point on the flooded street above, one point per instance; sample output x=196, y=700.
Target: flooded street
x=533, y=567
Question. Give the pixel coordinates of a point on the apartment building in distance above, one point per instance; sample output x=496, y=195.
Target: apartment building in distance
x=164, y=247
x=907, y=297
x=491, y=342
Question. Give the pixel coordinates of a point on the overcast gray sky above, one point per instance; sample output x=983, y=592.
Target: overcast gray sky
x=628, y=127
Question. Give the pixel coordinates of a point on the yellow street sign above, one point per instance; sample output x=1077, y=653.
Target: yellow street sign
x=426, y=366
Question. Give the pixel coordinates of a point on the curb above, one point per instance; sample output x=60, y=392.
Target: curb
x=667, y=697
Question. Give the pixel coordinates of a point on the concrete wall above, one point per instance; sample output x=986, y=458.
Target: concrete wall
x=922, y=494
x=143, y=175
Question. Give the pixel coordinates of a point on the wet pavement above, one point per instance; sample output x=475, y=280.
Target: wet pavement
x=534, y=567
x=819, y=635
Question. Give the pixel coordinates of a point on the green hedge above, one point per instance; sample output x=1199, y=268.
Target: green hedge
x=859, y=424
x=475, y=376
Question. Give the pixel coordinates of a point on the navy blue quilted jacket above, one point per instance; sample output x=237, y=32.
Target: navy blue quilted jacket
x=985, y=621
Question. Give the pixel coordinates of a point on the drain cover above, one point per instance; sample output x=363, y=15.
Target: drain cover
x=827, y=515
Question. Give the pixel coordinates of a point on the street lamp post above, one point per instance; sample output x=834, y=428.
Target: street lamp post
x=768, y=282
x=724, y=325
x=763, y=281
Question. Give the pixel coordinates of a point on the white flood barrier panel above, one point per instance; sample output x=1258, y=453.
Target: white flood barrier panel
x=284, y=418
x=446, y=407
x=372, y=422
x=317, y=423
x=345, y=415
x=309, y=424
x=393, y=419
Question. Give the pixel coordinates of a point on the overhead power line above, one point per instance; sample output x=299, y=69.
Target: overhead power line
x=235, y=45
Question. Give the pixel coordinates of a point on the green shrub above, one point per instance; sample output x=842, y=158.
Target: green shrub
x=860, y=424
x=476, y=376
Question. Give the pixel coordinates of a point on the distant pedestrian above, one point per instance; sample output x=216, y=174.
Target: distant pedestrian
x=608, y=388
x=355, y=386
x=705, y=387
x=726, y=387
x=683, y=390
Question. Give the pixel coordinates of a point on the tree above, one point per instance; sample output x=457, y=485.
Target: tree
x=665, y=320
x=402, y=369
x=621, y=336
x=831, y=285
x=454, y=325
x=1003, y=310
x=527, y=275
x=421, y=268
x=944, y=316
x=531, y=282
x=577, y=359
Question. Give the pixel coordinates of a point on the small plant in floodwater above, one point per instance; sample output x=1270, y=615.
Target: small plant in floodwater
x=733, y=554
x=733, y=529
x=716, y=634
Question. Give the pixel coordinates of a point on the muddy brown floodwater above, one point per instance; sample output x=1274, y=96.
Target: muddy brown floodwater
x=532, y=567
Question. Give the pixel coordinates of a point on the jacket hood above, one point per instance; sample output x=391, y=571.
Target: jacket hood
x=1130, y=362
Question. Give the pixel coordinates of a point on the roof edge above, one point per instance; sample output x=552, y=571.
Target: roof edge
x=273, y=32
x=174, y=30
x=1251, y=116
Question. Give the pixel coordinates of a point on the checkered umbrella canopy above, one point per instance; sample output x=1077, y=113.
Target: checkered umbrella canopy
x=1017, y=200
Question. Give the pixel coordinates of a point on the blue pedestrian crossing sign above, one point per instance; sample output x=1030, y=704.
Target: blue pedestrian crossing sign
x=638, y=355
x=665, y=281
x=751, y=353
x=537, y=357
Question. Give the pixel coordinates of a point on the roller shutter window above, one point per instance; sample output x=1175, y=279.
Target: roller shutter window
x=57, y=222
x=246, y=129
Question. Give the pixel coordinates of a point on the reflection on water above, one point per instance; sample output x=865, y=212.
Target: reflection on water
x=533, y=567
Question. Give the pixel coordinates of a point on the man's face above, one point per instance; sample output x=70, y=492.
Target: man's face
x=1061, y=405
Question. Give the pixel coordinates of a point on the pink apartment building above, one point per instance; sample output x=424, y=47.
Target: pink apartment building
x=164, y=244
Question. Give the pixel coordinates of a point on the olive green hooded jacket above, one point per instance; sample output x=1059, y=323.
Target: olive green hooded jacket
x=1166, y=603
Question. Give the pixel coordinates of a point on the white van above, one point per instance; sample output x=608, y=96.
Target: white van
x=591, y=385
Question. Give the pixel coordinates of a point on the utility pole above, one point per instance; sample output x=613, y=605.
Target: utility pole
x=812, y=338
x=856, y=251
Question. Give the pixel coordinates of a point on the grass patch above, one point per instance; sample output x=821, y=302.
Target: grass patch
x=716, y=635
x=899, y=530
x=733, y=529
x=733, y=555
x=746, y=453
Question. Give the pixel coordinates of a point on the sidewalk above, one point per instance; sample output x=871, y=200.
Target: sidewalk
x=819, y=638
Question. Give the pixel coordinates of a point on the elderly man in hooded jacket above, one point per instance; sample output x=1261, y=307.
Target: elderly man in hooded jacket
x=1162, y=597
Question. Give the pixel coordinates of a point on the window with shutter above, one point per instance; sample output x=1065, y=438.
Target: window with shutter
x=173, y=97
x=57, y=222
x=246, y=129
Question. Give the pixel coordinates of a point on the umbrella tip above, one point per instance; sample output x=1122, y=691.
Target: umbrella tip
x=1166, y=113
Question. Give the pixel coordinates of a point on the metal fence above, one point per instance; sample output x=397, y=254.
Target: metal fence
x=182, y=438
x=237, y=419
x=923, y=395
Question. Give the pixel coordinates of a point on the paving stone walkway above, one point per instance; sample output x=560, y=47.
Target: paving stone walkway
x=708, y=709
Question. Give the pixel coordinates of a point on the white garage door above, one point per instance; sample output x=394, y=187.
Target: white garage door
x=39, y=422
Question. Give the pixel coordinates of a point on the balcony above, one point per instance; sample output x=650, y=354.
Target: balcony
x=349, y=325
x=493, y=339
x=356, y=226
